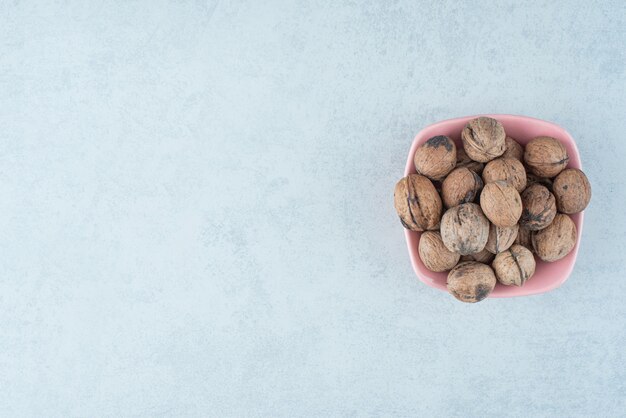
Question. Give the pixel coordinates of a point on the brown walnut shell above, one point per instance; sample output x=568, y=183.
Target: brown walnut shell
x=572, y=191
x=514, y=266
x=417, y=202
x=532, y=179
x=463, y=160
x=509, y=170
x=471, y=281
x=435, y=256
x=539, y=207
x=525, y=238
x=483, y=256
x=483, y=139
x=545, y=156
x=461, y=186
x=500, y=239
x=464, y=229
x=435, y=158
x=501, y=204
x=513, y=149
x=557, y=240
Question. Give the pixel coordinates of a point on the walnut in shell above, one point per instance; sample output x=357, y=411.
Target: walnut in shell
x=461, y=186
x=557, y=240
x=514, y=266
x=545, y=156
x=508, y=170
x=572, y=191
x=501, y=204
x=544, y=181
x=524, y=238
x=513, y=149
x=539, y=207
x=417, y=202
x=471, y=281
x=483, y=256
x=501, y=238
x=483, y=139
x=435, y=158
x=464, y=229
x=435, y=256
x=463, y=160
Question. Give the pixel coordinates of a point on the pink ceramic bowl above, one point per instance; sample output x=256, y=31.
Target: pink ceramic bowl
x=547, y=275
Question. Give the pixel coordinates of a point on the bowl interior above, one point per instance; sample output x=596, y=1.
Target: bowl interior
x=547, y=275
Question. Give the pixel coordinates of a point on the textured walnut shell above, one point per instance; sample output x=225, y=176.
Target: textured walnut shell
x=514, y=266
x=532, y=179
x=461, y=186
x=525, y=238
x=464, y=229
x=500, y=239
x=483, y=256
x=557, y=240
x=539, y=207
x=483, y=139
x=572, y=191
x=513, y=149
x=435, y=256
x=471, y=281
x=501, y=204
x=463, y=160
x=417, y=202
x=545, y=156
x=435, y=158
x=508, y=170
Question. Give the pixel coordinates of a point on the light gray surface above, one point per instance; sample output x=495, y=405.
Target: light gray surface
x=197, y=220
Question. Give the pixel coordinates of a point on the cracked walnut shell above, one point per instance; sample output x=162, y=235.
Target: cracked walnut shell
x=464, y=229
x=471, y=281
x=483, y=139
x=545, y=156
x=461, y=186
x=435, y=158
x=514, y=266
x=435, y=256
x=417, y=202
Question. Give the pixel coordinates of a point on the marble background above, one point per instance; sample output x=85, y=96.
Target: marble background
x=196, y=210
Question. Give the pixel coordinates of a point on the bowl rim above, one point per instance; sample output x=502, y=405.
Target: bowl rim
x=574, y=163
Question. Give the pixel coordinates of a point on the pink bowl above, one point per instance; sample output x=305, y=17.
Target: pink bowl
x=547, y=275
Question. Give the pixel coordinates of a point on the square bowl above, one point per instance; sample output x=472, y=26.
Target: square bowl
x=547, y=276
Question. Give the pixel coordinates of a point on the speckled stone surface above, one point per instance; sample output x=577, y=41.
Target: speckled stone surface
x=196, y=211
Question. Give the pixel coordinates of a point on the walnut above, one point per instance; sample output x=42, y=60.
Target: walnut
x=509, y=170
x=524, y=238
x=436, y=157
x=572, y=191
x=483, y=139
x=483, y=256
x=471, y=281
x=435, y=256
x=463, y=160
x=539, y=207
x=500, y=238
x=464, y=229
x=513, y=149
x=514, y=266
x=461, y=186
x=532, y=179
x=417, y=202
x=557, y=240
x=545, y=156
x=501, y=204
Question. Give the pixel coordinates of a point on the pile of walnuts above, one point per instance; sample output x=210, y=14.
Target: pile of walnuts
x=487, y=207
